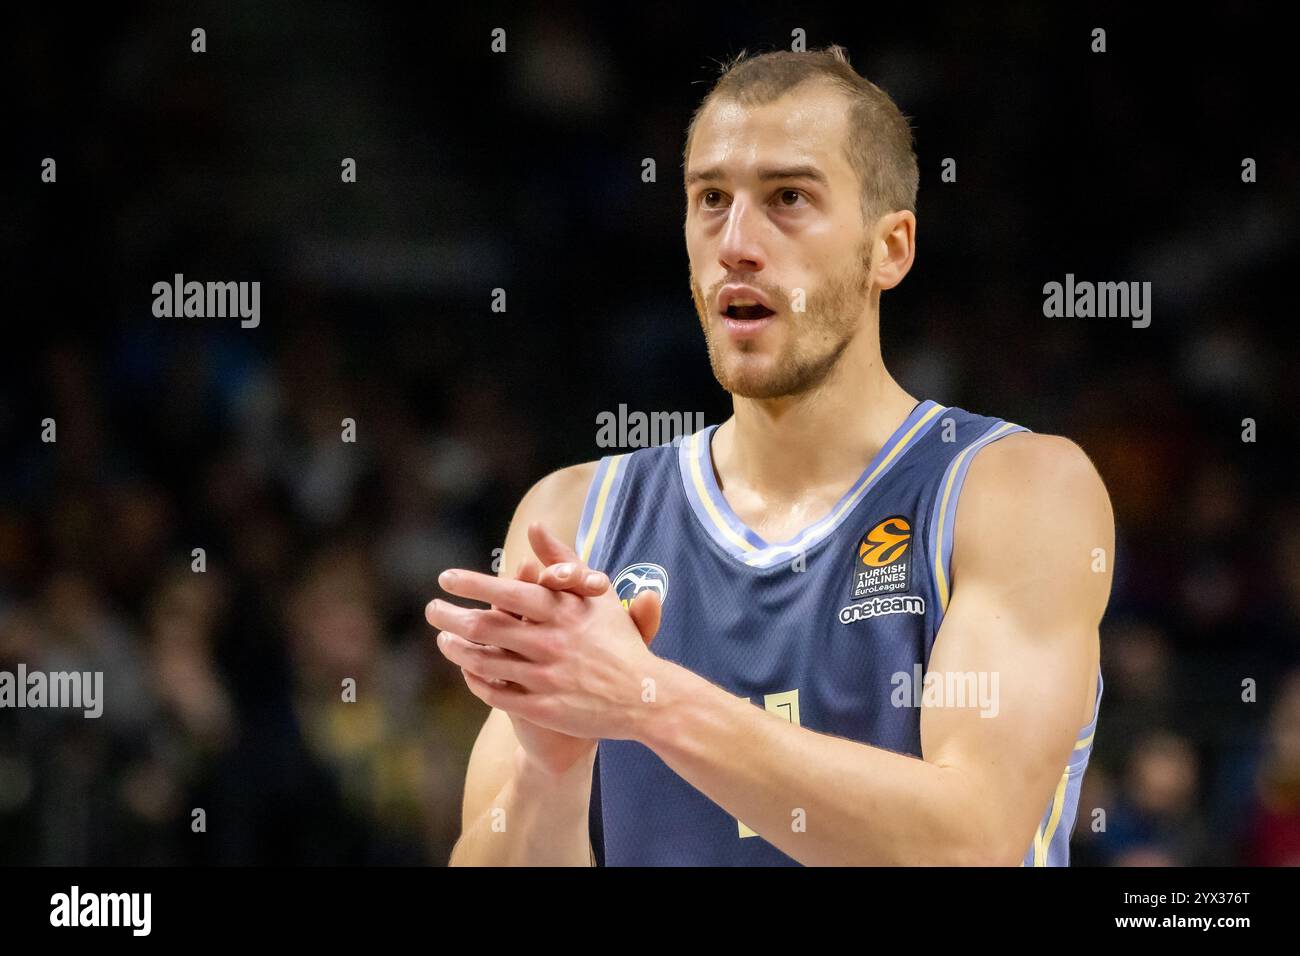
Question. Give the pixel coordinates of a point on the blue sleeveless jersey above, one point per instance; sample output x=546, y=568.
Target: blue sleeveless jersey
x=831, y=629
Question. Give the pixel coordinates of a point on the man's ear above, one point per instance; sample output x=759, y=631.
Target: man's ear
x=894, y=247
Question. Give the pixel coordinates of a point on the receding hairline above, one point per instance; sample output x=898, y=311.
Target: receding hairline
x=738, y=97
x=878, y=140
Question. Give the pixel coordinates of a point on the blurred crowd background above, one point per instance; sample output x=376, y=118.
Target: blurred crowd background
x=522, y=171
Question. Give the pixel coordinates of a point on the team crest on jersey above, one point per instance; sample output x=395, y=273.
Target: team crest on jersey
x=883, y=559
x=636, y=578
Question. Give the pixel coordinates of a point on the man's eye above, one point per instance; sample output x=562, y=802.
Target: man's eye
x=710, y=197
x=790, y=197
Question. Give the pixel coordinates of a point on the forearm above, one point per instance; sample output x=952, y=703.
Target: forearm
x=822, y=800
x=537, y=819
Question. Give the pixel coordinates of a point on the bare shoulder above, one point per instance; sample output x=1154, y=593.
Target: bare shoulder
x=1036, y=475
x=1034, y=508
x=556, y=501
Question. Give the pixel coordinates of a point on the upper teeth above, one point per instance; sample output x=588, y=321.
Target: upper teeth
x=744, y=302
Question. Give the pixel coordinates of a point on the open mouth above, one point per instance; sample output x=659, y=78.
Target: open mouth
x=747, y=311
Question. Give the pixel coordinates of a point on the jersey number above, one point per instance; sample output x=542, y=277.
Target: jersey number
x=784, y=704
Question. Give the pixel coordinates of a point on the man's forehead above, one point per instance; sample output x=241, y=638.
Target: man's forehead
x=806, y=127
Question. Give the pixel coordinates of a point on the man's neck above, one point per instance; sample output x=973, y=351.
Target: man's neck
x=817, y=443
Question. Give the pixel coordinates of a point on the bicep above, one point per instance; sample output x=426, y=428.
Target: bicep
x=1031, y=576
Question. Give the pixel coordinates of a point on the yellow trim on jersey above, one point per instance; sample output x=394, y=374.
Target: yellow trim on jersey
x=1042, y=840
x=862, y=488
x=697, y=477
x=940, y=578
x=1058, y=805
x=598, y=513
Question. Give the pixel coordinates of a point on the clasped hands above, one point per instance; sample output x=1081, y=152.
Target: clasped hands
x=556, y=650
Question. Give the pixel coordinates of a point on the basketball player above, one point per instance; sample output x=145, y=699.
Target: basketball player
x=839, y=574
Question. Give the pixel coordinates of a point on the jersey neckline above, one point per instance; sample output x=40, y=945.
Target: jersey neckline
x=724, y=526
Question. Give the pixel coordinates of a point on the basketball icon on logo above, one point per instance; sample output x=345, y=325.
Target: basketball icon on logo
x=885, y=543
x=636, y=578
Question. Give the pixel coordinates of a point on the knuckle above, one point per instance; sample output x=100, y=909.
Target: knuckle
x=567, y=606
x=555, y=642
x=551, y=678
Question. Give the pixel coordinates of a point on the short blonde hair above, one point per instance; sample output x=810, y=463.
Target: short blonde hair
x=880, y=146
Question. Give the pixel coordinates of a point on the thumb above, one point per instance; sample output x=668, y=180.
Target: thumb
x=548, y=548
x=646, y=612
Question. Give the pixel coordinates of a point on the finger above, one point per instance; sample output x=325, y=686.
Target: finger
x=571, y=572
x=646, y=612
x=549, y=548
x=518, y=597
x=503, y=697
x=486, y=661
x=486, y=627
x=575, y=577
x=529, y=570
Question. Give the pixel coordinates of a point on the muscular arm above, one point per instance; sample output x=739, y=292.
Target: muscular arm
x=1026, y=605
x=544, y=814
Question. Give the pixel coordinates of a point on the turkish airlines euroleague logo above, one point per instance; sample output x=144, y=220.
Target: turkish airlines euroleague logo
x=883, y=559
x=885, y=543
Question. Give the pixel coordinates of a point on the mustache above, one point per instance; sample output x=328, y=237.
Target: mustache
x=773, y=293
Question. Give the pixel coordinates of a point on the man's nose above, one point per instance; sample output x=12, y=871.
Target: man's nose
x=739, y=250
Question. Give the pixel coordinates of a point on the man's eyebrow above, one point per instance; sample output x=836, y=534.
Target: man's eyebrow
x=793, y=172
x=700, y=175
x=714, y=173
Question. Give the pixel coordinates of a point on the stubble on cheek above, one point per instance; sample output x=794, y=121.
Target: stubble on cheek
x=813, y=342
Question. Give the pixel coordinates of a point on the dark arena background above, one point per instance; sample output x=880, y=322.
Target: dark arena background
x=128, y=440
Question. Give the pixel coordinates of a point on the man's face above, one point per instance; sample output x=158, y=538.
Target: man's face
x=774, y=209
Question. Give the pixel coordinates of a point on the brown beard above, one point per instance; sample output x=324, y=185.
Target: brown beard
x=823, y=332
